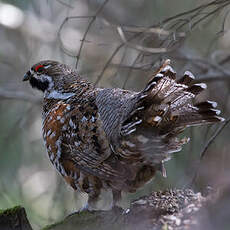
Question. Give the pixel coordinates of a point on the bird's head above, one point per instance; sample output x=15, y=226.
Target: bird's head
x=50, y=77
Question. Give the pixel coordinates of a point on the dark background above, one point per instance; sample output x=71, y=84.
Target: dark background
x=118, y=46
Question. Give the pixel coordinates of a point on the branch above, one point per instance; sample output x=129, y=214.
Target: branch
x=205, y=79
x=203, y=152
x=17, y=95
x=138, y=47
x=87, y=30
x=218, y=131
x=65, y=4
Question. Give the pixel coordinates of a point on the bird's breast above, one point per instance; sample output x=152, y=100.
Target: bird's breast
x=54, y=124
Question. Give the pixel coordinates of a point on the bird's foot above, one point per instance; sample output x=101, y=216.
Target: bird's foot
x=126, y=211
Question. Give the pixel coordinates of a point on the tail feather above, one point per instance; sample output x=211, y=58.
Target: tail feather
x=178, y=96
x=186, y=79
x=207, y=105
x=190, y=115
x=197, y=88
x=164, y=109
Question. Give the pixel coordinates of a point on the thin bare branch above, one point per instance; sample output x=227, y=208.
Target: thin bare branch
x=83, y=39
x=212, y=79
x=61, y=28
x=65, y=4
x=87, y=30
x=197, y=9
x=210, y=141
x=113, y=55
x=191, y=14
x=108, y=63
x=159, y=31
x=121, y=61
x=130, y=70
x=138, y=47
x=17, y=95
x=208, y=15
x=225, y=60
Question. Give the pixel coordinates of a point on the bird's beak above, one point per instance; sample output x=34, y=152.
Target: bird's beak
x=27, y=76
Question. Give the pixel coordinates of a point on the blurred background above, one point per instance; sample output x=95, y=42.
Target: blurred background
x=112, y=43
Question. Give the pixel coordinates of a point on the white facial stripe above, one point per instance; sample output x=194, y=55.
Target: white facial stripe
x=57, y=95
x=50, y=93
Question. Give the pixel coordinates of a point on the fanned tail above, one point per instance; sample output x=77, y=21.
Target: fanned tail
x=165, y=108
x=172, y=101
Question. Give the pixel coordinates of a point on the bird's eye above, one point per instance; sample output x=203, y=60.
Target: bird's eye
x=39, y=68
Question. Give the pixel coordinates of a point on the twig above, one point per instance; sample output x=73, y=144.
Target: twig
x=209, y=14
x=108, y=63
x=17, y=95
x=218, y=131
x=113, y=55
x=217, y=77
x=218, y=34
x=197, y=11
x=199, y=8
x=225, y=60
x=138, y=47
x=203, y=152
x=87, y=30
x=159, y=31
x=130, y=70
x=65, y=4
x=119, y=66
x=60, y=30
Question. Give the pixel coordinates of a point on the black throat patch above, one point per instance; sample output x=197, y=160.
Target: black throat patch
x=41, y=85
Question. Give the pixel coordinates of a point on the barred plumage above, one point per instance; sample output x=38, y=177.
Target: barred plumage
x=113, y=138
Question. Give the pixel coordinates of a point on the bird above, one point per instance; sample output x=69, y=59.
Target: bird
x=114, y=139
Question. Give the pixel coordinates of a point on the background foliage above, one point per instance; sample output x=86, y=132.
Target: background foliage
x=114, y=44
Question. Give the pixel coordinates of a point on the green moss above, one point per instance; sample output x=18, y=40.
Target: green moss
x=10, y=211
x=80, y=215
x=52, y=225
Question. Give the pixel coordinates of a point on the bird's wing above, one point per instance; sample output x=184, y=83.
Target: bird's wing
x=122, y=113
x=114, y=106
x=80, y=140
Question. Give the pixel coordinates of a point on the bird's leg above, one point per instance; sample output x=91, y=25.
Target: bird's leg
x=116, y=198
x=93, y=199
